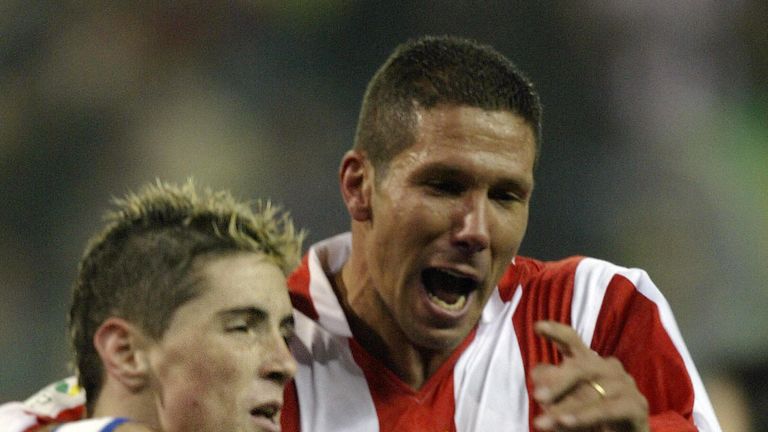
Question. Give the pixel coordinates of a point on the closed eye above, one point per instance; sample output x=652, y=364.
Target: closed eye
x=239, y=328
x=243, y=320
x=446, y=187
x=504, y=196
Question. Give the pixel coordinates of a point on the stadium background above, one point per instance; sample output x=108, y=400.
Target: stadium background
x=655, y=147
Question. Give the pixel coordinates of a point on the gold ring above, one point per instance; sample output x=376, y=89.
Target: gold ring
x=598, y=388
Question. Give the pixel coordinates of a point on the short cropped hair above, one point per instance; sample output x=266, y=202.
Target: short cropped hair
x=142, y=266
x=430, y=71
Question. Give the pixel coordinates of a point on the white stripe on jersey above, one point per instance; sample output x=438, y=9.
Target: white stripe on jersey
x=331, y=388
x=489, y=378
x=589, y=284
x=331, y=315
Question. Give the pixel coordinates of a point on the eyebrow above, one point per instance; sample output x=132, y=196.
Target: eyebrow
x=247, y=310
x=441, y=168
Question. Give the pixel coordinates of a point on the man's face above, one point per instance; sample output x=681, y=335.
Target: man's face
x=447, y=218
x=223, y=362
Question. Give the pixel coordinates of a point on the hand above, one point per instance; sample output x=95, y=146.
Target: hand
x=585, y=391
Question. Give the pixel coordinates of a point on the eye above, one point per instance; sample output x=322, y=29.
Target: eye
x=446, y=186
x=240, y=325
x=505, y=196
x=239, y=328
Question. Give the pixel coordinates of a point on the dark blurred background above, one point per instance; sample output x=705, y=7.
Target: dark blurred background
x=655, y=142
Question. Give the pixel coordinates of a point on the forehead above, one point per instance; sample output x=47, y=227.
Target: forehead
x=239, y=280
x=471, y=136
x=452, y=119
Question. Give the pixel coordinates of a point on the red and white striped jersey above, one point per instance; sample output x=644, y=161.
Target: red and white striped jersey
x=485, y=383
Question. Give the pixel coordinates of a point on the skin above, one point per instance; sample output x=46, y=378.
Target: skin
x=457, y=199
x=224, y=352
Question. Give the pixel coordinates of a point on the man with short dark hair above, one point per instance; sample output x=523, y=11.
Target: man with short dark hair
x=424, y=319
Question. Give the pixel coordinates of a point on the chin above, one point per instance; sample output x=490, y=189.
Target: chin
x=439, y=340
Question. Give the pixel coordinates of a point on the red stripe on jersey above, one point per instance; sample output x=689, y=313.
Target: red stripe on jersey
x=289, y=417
x=547, y=295
x=628, y=324
x=398, y=406
x=298, y=286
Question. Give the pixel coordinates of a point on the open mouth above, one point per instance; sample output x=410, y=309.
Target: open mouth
x=448, y=289
x=266, y=416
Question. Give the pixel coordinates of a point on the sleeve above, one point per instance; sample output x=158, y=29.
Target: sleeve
x=59, y=402
x=635, y=324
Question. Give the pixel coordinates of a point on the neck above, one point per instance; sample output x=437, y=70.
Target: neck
x=376, y=330
x=117, y=401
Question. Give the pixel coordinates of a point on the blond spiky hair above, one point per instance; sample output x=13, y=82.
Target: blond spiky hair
x=265, y=229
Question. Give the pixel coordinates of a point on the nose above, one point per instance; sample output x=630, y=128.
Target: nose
x=472, y=231
x=279, y=365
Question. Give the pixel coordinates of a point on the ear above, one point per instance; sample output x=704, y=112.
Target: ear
x=356, y=180
x=121, y=346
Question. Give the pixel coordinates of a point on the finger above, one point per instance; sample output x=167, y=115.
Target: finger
x=563, y=336
x=618, y=414
x=555, y=384
x=575, y=398
x=622, y=407
x=552, y=383
x=594, y=373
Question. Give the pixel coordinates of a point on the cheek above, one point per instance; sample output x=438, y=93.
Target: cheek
x=417, y=219
x=510, y=230
x=508, y=235
x=196, y=383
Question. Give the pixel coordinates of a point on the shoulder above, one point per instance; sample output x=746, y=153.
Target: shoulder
x=530, y=271
x=573, y=285
x=532, y=268
x=534, y=274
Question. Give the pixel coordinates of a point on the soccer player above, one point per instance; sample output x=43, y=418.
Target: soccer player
x=424, y=319
x=179, y=316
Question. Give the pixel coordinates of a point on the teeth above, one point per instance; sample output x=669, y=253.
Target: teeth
x=452, y=307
